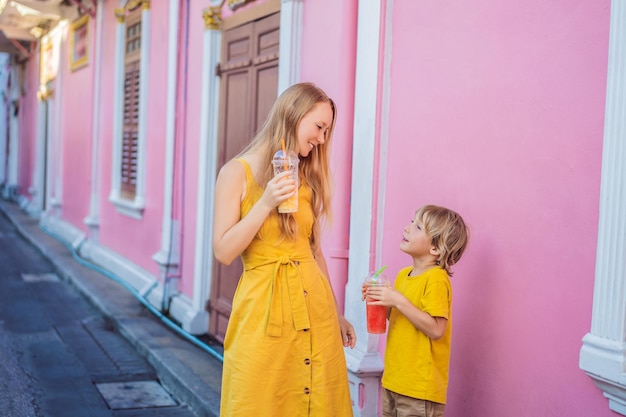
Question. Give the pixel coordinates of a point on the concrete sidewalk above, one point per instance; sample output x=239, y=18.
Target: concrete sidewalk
x=189, y=372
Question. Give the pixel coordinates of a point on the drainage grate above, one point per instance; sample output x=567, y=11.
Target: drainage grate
x=46, y=277
x=135, y=394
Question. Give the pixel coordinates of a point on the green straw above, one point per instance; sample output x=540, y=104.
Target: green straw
x=379, y=271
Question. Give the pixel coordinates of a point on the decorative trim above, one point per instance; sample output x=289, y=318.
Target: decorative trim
x=48, y=59
x=134, y=4
x=235, y=4
x=192, y=319
x=120, y=15
x=133, y=209
x=79, y=43
x=130, y=6
x=44, y=93
x=212, y=18
x=63, y=229
x=253, y=13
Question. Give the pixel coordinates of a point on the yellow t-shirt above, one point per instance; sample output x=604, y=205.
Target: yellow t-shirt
x=415, y=365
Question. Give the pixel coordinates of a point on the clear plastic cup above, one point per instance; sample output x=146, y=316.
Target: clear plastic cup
x=289, y=163
x=376, y=315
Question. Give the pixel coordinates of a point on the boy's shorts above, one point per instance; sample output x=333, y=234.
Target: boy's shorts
x=398, y=405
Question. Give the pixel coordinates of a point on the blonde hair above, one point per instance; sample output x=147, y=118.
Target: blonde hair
x=448, y=233
x=282, y=122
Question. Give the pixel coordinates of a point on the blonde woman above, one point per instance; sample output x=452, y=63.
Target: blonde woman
x=283, y=349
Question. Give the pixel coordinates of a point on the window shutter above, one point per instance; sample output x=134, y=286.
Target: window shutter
x=130, y=135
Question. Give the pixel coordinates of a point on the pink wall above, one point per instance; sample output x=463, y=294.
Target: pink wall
x=76, y=136
x=328, y=59
x=497, y=112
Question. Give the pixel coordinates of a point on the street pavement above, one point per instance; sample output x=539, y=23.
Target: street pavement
x=75, y=343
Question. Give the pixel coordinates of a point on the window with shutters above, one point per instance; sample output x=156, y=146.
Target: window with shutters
x=132, y=52
x=127, y=191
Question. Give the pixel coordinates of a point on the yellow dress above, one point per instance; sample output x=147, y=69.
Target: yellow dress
x=283, y=355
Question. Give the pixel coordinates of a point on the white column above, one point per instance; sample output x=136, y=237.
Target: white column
x=364, y=362
x=207, y=167
x=54, y=156
x=290, y=43
x=13, y=162
x=93, y=218
x=604, y=347
x=167, y=256
x=4, y=76
x=37, y=191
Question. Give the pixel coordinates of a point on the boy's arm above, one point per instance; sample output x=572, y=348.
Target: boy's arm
x=433, y=327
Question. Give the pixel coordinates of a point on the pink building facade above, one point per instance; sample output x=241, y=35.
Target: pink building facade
x=510, y=114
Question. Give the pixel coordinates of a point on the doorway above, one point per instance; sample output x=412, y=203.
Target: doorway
x=248, y=87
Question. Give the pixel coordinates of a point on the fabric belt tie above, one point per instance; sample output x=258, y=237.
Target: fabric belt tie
x=286, y=271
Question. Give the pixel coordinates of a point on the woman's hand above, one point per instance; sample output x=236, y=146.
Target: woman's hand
x=348, y=335
x=278, y=189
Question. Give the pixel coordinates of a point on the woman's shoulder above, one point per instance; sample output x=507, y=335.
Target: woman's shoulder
x=233, y=168
x=251, y=159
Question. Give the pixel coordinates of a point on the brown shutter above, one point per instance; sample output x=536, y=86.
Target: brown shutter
x=128, y=186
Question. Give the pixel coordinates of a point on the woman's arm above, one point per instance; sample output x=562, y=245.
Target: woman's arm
x=231, y=233
x=348, y=335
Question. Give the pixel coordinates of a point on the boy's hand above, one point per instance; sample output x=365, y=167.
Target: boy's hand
x=383, y=296
x=364, y=288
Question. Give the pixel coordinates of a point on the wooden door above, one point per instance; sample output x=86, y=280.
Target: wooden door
x=248, y=88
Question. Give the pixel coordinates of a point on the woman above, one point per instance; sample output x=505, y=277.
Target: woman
x=283, y=349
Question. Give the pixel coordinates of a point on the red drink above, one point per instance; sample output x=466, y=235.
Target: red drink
x=376, y=319
x=376, y=315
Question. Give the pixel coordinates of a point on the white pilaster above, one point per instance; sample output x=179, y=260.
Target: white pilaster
x=93, y=218
x=290, y=42
x=207, y=167
x=54, y=154
x=167, y=256
x=36, y=205
x=604, y=347
x=13, y=162
x=4, y=89
x=364, y=362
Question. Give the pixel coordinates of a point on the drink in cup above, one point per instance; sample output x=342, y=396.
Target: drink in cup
x=288, y=162
x=376, y=315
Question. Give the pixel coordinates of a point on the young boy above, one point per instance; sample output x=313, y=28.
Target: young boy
x=417, y=357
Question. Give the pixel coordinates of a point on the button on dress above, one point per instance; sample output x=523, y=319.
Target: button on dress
x=283, y=354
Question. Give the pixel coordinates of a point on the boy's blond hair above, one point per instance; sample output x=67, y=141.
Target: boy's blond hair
x=448, y=233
